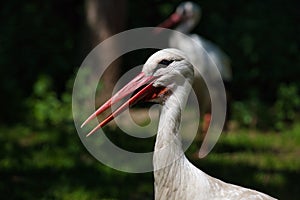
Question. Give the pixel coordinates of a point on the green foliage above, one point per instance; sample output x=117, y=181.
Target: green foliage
x=287, y=105
x=252, y=114
x=243, y=114
x=255, y=114
x=47, y=109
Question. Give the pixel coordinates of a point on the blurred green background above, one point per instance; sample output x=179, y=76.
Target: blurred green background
x=42, y=44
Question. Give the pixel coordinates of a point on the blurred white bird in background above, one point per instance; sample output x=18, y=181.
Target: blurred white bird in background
x=203, y=54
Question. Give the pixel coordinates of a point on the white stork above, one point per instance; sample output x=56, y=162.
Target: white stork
x=166, y=79
x=204, y=54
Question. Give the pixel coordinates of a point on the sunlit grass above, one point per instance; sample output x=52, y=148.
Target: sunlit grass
x=52, y=164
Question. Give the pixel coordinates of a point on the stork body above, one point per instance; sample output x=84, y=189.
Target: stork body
x=166, y=79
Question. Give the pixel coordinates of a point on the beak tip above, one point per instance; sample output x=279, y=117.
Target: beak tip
x=94, y=115
x=90, y=133
x=95, y=129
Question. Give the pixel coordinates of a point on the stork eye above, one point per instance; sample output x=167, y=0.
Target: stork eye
x=166, y=62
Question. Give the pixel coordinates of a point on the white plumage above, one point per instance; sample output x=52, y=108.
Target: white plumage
x=166, y=78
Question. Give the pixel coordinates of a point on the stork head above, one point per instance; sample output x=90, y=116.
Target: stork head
x=161, y=74
x=187, y=15
x=167, y=66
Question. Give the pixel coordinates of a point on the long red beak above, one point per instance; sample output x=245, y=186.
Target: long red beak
x=146, y=92
x=173, y=20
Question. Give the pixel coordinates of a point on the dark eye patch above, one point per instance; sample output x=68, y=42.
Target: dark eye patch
x=166, y=62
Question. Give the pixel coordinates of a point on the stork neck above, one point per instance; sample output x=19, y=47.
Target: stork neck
x=169, y=159
x=168, y=146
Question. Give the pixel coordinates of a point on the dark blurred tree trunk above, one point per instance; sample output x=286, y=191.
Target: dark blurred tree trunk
x=104, y=19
